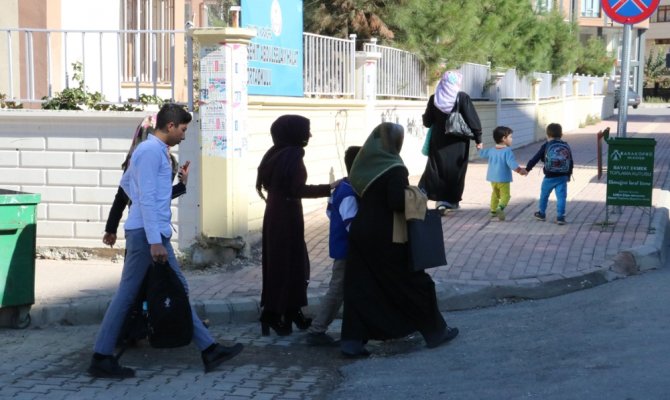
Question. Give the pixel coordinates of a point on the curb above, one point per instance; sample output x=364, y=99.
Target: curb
x=451, y=295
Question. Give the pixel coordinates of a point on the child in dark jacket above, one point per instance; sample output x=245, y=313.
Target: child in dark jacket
x=342, y=208
x=558, y=165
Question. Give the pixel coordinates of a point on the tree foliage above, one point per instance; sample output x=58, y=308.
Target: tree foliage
x=340, y=18
x=445, y=33
x=654, y=67
x=594, y=59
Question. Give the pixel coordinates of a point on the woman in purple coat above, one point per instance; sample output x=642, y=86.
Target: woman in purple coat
x=282, y=174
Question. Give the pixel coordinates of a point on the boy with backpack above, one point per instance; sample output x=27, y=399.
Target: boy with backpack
x=558, y=164
x=342, y=208
x=499, y=173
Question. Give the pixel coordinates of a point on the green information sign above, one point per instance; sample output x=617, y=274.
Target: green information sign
x=630, y=171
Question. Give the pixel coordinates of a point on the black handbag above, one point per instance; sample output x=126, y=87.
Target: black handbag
x=426, y=242
x=456, y=125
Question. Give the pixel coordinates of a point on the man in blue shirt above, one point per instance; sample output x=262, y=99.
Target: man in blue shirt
x=148, y=184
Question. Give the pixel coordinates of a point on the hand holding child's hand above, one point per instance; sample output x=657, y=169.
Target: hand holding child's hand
x=523, y=172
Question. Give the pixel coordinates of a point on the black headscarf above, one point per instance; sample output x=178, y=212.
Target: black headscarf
x=290, y=133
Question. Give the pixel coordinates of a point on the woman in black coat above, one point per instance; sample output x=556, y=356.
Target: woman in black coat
x=282, y=174
x=383, y=297
x=444, y=177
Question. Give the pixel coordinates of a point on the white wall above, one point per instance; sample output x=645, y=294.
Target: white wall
x=92, y=51
x=73, y=158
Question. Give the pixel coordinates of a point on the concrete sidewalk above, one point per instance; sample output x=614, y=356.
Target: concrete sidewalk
x=489, y=261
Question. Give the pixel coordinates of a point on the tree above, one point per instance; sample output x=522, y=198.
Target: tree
x=340, y=18
x=594, y=59
x=654, y=67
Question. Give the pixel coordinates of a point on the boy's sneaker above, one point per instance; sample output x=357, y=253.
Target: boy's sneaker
x=501, y=214
x=493, y=214
x=539, y=216
x=560, y=220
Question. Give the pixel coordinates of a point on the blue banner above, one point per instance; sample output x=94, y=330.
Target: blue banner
x=275, y=54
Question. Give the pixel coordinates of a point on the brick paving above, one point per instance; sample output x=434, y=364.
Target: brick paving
x=516, y=258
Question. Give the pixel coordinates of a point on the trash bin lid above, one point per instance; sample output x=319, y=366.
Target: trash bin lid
x=13, y=197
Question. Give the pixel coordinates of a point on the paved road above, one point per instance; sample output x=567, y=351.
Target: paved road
x=609, y=343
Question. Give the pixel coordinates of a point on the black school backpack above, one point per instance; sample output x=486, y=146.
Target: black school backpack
x=170, y=322
x=557, y=157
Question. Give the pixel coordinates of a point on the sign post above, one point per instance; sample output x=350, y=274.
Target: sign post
x=630, y=173
x=627, y=12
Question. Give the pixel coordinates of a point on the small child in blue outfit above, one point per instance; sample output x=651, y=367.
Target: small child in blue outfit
x=499, y=173
x=558, y=164
x=342, y=208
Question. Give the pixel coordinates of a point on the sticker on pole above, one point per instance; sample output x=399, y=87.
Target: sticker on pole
x=629, y=11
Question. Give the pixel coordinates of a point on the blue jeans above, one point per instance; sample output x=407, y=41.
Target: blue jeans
x=137, y=262
x=560, y=184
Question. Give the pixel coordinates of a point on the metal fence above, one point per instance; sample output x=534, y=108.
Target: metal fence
x=476, y=80
x=119, y=64
x=127, y=64
x=399, y=73
x=329, y=65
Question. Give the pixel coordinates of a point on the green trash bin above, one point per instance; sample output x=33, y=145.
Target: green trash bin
x=18, y=231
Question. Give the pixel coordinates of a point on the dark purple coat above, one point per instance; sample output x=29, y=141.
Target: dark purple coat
x=282, y=174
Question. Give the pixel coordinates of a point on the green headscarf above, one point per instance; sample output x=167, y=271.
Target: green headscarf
x=380, y=153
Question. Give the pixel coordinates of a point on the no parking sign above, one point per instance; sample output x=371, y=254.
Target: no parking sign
x=629, y=11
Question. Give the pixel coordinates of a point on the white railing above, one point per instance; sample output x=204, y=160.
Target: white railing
x=399, y=73
x=476, y=81
x=329, y=65
x=123, y=65
x=545, y=84
x=119, y=64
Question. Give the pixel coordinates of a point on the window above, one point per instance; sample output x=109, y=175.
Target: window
x=141, y=49
x=663, y=14
x=543, y=6
x=591, y=8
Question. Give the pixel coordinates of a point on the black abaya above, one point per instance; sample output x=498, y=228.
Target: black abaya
x=383, y=297
x=444, y=177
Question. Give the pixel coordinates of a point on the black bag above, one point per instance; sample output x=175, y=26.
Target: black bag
x=456, y=125
x=170, y=320
x=135, y=327
x=426, y=242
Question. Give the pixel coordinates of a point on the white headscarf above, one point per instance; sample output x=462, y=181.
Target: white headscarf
x=447, y=90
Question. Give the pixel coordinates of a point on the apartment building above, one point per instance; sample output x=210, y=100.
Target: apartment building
x=658, y=36
x=41, y=39
x=592, y=21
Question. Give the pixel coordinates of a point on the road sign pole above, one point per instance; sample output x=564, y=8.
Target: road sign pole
x=623, y=84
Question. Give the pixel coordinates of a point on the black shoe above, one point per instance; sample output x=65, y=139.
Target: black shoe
x=212, y=357
x=447, y=336
x=273, y=320
x=539, y=216
x=298, y=318
x=108, y=367
x=361, y=354
x=320, y=339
